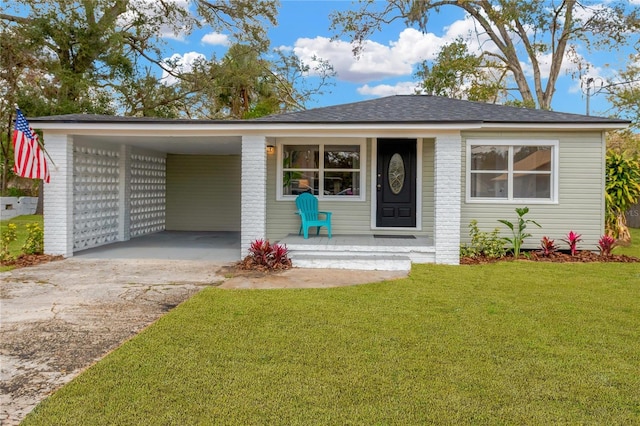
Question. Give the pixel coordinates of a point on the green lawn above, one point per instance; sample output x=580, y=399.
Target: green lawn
x=634, y=249
x=506, y=343
x=21, y=222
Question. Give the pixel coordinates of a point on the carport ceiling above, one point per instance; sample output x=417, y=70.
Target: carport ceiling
x=191, y=145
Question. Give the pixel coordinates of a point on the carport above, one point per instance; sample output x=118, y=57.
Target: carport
x=177, y=187
x=149, y=188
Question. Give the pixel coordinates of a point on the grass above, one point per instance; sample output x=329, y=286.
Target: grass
x=506, y=343
x=634, y=248
x=21, y=222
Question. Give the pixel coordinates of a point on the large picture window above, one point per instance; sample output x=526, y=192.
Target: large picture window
x=512, y=171
x=325, y=170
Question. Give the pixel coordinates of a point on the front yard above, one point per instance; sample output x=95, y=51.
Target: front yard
x=512, y=342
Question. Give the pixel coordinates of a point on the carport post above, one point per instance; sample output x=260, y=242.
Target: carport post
x=58, y=196
x=254, y=191
x=448, y=197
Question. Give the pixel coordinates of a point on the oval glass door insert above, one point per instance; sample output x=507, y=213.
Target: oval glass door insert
x=396, y=173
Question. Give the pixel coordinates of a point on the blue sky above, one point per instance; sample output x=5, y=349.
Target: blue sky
x=390, y=57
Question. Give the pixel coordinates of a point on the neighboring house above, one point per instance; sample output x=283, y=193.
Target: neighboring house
x=401, y=166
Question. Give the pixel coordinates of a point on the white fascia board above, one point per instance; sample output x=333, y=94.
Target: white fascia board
x=241, y=128
x=554, y=126
x=301, y=129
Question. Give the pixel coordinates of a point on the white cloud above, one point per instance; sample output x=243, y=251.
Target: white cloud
x=216, y=39
x=183, y=63
x=377, y=61
x=402, y=88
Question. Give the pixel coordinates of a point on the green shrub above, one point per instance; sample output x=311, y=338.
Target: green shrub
x=622, y=191
x=34, y=244
x=486, y=244
x=9, y=235
x=518, y=233
x=264, y=256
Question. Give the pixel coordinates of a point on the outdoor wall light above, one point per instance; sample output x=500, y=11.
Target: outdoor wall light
x=271, y=149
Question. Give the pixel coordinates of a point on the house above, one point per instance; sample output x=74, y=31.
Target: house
x=403, y=176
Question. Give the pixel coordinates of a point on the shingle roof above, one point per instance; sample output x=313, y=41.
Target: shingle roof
x=393, y=109
x=430, y=109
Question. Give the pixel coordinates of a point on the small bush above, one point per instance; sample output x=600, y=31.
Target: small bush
x=485, y=244
x=518, y=230
x=34, y=244
x=9, y=235
x=572, y=241
x=606, y=244
x=547, y=246
x=264, y=256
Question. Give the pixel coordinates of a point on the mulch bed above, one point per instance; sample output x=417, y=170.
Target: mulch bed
x=558, y=257
x=248, y=266
x=30, y=260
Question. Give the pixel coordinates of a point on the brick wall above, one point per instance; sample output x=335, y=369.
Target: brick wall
x=254, y=198
x=448, y=160
x=58, y=197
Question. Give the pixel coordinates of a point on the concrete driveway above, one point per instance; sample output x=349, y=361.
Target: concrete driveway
x=57, y=319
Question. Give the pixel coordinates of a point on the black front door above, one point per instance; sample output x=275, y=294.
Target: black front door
x=396, y=183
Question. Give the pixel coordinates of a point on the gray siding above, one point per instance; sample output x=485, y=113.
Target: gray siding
x=428, y=159
x=580, y=204
x=203, y=193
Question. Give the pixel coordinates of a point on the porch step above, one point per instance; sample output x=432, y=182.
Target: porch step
x=361, y=262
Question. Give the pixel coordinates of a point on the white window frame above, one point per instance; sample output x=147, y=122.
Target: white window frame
x=362, y=143
x=555, y=152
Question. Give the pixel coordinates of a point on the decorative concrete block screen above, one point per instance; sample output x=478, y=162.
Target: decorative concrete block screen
x=148, y=193
x=96, y=194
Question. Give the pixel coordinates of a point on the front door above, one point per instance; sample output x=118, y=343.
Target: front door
x=396, y=183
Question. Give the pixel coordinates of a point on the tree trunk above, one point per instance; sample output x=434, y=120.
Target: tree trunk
x=40, y=206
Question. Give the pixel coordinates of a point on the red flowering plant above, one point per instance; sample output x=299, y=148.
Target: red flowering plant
x=606, y=244
x=265, y=256
x=547, y=246
x=572, y=240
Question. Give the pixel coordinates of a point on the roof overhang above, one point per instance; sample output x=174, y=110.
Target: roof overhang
x=239, y=128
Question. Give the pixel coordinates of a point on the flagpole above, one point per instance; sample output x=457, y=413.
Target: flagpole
x=40, y=144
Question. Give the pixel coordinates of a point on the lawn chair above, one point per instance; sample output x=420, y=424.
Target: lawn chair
x=309, y=215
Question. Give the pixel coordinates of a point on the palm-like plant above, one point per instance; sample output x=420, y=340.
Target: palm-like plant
x=518, y=230
x=622, y=191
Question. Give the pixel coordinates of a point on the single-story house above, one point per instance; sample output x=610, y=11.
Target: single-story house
x=402, y=175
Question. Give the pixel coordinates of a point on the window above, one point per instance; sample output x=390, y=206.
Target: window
x=512, y=171
x=326, y=170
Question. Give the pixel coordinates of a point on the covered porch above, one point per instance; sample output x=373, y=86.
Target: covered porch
x=117, y=181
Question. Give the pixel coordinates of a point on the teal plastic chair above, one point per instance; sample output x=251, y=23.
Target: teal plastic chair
x=310, y=216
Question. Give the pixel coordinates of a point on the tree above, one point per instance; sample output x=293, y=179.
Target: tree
x=625, y=94
x=458, y=74
x=95, y=56
x=624, y=142
x=516, y=34
x=248, y=83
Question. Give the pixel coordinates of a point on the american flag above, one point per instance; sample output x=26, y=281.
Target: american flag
x=29, y=156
